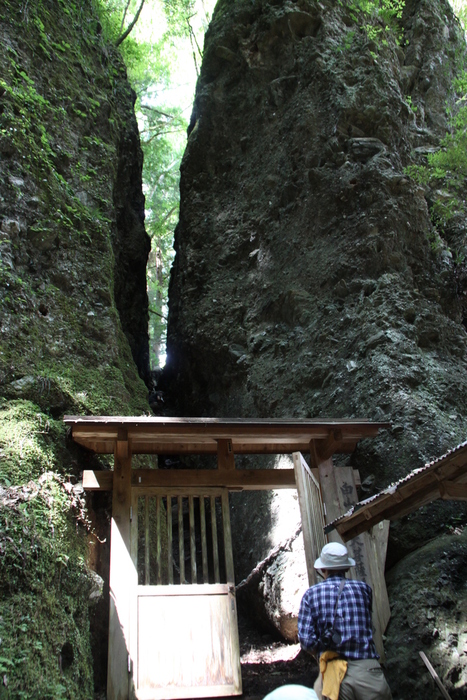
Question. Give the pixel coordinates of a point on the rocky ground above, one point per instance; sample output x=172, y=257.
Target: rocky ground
x=268, y=664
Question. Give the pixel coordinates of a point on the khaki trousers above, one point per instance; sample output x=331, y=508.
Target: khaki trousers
x=364, y=680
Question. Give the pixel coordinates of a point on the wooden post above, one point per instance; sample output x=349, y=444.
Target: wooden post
x=225, y=455
x=123, y=575
x=339, y=494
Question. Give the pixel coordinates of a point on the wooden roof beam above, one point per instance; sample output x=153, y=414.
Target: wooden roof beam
x=451, y=491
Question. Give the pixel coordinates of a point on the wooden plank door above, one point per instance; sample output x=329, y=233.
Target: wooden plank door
x=312, y=514
x=183, y=629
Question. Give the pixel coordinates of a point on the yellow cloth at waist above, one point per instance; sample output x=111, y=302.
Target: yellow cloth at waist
x=333, y=671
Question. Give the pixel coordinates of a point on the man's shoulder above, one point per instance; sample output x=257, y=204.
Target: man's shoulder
x=315, y=589
x=360, y=585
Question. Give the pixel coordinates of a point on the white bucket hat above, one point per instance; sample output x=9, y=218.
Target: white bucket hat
x=334, y=556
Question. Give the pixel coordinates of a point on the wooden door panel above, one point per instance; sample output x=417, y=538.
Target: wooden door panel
x=184, y=636
x=190, y=638
x=312, y=514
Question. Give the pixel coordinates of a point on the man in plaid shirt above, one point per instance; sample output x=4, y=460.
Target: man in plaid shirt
x=343, y=606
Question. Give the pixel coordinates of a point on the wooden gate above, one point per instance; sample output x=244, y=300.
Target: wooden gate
x=312, y=514
x=321, y=503
x=183, y=619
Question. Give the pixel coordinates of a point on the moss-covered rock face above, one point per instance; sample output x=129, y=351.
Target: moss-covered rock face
x=45, y=591
x=73, y=323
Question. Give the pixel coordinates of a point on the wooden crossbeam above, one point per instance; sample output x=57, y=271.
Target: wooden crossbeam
x=326, y=448
x=235, y=480
x=155, y=435
x=451, y=491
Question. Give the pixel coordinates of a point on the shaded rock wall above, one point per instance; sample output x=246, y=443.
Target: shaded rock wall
x=308, y=279
x=304, y=282
x=73, y=331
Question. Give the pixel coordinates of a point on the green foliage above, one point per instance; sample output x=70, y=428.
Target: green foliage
x=150, y=66
x=378, y=18
x=446, y=169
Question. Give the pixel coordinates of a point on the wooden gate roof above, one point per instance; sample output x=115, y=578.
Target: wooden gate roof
x=444, y=477
x=162, y=435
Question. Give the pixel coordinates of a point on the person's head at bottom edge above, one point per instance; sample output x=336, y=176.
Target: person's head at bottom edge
x=292, y=692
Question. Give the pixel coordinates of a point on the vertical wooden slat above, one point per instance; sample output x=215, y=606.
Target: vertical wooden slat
x=169, y=540
x=309, y=498
x=134, y=537
x=307, y=525
x=192, y=539
x=147, y=576
x=123, y=575
x=229, y=567
x=215, y=543
x=181, y=544
x=204, y=546
x=159, y=539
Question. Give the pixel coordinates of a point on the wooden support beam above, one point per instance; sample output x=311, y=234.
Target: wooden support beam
x=326, y=448
x=225, y=455
x=98, y=480
x=435, y=676
x=233, y=479
x=451, y=491
x=239, y=479
x=122, y=574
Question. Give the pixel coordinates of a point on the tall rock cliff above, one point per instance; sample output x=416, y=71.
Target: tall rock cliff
x=73, y=329
x=309, y=280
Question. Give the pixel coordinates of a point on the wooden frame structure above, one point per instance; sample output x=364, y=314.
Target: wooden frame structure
x=445, y=477
x=127, y=436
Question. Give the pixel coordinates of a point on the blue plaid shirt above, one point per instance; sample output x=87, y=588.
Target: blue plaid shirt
x=353, y=617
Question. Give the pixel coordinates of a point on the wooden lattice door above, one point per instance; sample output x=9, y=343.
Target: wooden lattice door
x=183, y=620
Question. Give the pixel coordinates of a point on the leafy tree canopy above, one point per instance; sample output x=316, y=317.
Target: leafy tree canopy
x=166, y=35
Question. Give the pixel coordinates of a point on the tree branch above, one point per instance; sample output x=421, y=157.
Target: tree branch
x=156, y=313
x=130, y=26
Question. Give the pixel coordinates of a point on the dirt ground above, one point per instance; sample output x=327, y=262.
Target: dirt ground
x=268, y=664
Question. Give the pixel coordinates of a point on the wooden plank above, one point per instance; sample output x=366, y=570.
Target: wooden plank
x=204, y=546
x=249, y=479
x=158, y=538
x=225, y=455
x=195, y=656
x=134, y=526
x=191, y=512
x=198, y=436
x=147, y=577
x=215, y=543
x=170, y=564
x=422, y=488
x=435, y=676
x=123, y=577
x=98, y=480
x=229, y=563
x=181, y=541
x=253, y=479
x=377, y=543
x=246, y=446
x=326, y=448
x=339, y=494
x=449, y=490
x=312, y=515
